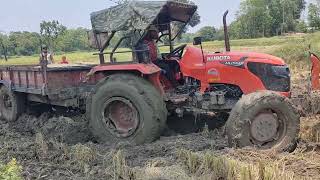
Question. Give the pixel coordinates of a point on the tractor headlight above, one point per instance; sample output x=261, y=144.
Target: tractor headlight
x=274, y=77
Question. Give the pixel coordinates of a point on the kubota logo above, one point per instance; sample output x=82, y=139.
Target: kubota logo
x=218, y=58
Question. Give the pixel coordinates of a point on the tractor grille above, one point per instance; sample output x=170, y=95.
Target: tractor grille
x=274, y=77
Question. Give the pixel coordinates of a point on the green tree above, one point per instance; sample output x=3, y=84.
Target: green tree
x=50, y=31
x=254, y=20
x=314, y=16
x=285, y=14
x=220, y=34
x=24, y=43
x=299, y=5
x=257, y=18
x=302, y=27
x=207, y=33
x=73, y=40
x=3, y=46
x=186, y=38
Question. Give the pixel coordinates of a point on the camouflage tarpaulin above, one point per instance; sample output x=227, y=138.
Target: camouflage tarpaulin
x=139, y=15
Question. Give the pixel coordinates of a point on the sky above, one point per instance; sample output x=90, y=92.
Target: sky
x=26, y=15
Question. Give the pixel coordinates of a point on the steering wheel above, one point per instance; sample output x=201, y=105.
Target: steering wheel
x=177, y=52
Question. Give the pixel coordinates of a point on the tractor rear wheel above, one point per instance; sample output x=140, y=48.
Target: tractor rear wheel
x=126, y=108
x=12, y=104
x=264, y=120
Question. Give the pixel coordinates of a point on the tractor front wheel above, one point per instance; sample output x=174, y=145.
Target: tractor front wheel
x=264, y=120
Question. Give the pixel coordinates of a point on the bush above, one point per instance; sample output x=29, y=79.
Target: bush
x=11, y=171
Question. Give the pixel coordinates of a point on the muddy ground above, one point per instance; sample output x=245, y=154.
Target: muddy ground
x=53, y=146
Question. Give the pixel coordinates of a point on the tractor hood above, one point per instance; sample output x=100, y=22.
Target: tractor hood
x=245, y=56
x=263, y=71
x=194, y=55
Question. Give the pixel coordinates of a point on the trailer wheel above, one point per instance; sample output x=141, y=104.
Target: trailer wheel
x=264, y=120
x=126, y=108
x=12, y=104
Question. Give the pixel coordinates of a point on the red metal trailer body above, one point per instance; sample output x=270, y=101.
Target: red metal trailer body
x=56, y=84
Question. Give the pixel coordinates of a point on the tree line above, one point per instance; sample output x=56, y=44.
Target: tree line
x=266, y=18
x=52, y=34
x=58, y=38
x=255, y=18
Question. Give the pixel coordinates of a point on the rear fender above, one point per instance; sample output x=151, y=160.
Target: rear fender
x=146, y=69
x=150, y=71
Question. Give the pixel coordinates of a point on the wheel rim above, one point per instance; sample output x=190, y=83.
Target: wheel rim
x=121, y=117
x=267, y=129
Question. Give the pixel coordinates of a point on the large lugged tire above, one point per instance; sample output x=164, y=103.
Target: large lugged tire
x=12, y=104
x=265, y=120
x=127, y=108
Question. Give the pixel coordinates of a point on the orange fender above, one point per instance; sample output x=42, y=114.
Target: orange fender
x=315, y=71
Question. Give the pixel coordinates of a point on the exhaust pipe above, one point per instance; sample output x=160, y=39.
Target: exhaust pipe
x=226, y=33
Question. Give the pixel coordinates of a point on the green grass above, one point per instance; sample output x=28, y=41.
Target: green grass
x=293, y=49
x=11, y=171
x=73, y=57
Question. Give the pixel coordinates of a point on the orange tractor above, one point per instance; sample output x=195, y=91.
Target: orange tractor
x=130, y=101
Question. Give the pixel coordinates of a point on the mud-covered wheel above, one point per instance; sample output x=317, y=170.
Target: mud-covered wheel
x=12, y=104
x=126, y=108
x=264, y=120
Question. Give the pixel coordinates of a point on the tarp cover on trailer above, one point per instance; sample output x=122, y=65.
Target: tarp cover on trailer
x=139, y=15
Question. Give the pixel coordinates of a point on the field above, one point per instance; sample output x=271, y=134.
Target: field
x=47, y=145
x=293, y=49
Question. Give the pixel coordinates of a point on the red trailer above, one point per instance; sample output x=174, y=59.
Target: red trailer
x=61, y=85
x=58, y=84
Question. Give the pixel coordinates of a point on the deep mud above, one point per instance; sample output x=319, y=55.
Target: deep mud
x=51, y=146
